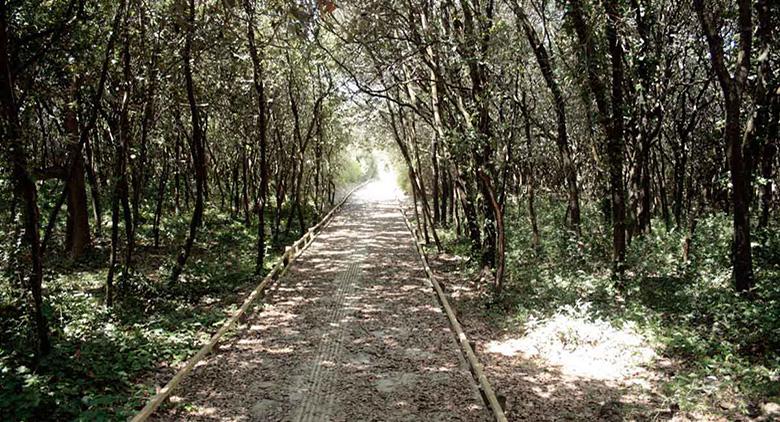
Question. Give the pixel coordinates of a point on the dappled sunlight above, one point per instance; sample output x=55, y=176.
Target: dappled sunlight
x=351, y=322
x=582, y=347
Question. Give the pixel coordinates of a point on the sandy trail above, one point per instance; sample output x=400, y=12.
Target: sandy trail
x=351, y=332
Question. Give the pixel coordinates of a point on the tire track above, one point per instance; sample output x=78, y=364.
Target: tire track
x=319, y=396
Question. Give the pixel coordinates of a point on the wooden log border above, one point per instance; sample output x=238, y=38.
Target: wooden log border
x=280, y=268
x=476, y=367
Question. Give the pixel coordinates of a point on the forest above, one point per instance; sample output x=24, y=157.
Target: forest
x=613, y=159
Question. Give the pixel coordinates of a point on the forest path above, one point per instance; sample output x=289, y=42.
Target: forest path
x=351, y=332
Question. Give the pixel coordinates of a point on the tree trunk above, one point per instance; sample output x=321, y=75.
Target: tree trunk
x=77, y=236
x=467, y=199
x=500, y=239
x=125, y=142
x=422, y=192
x=529, y=176
x=446, y=193
x=693, y=220
x=680, y=154
x=733, y=88
x=94, y=183
x=77, y=226
x=197, y=146
x=120, y=189
x=176, y=176
x=23, y=184
x=257, y=68
x=611, y=121
x=437, y=216
x=160, y=201
x=413, y=175
x=767, y=165
x=562, y=139
x=147, y=123
x=768, y=107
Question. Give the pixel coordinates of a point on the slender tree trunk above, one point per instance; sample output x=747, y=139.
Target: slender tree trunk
x=611, y=121
x=660, y=167
x=414, y=203
x=94, y=184
x=114, y=245
x=693, y=221
x=120, y=186
x=467, y=199
x=422, y=192
x=562, y=139
x=733, y=87
x=500, y=238
x=477, y=31
x=257, y=68
x=767, y=165
x=125, y=144
x=647, y=113
x=279, y=197
x=198, y=149
x=644, y=187
x=615, y=145
x=413, y=174
x=176, y=176
x=768, y=106
x=245, y=185
x=680, y=154
x=296, y=193
x=235, y=192
x=446, y=193
x=77, y=236
x=458, y=227
x=147, y=123
x=318, y=174
x=435, y=185
x=529, y=173
x=23, y=184
x=159, y=207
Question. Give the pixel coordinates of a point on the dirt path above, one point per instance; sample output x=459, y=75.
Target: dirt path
x=351, y=332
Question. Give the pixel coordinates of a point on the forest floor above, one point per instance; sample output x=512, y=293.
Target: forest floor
x=351, y=332
x=563, y=368
x=562, y=343
x=104, y=358
x=572, y=366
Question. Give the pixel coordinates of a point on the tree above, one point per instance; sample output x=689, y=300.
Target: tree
x=562, y=140
x=733, y=88
x=610, y=114
x=257, y=73
x=23, y=184
x=197, y=141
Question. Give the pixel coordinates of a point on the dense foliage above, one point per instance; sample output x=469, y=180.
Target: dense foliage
x=141, y=142
x=615, y=153
x=156, y=152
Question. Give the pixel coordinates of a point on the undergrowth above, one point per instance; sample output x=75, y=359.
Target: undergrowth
x=726, y=347
x=103, y=358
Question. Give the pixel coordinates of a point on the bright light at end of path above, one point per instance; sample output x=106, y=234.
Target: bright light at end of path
x=385, y=186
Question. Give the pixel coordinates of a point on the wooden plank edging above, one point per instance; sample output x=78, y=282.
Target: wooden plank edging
x=476, y=366
x=279, y=269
